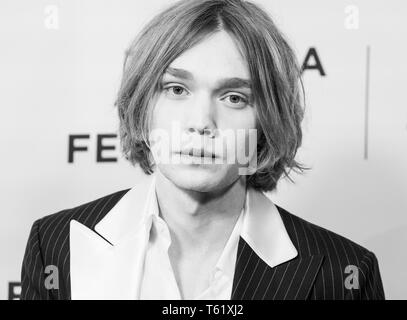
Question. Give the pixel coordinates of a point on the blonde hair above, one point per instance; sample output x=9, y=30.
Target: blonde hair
x=274, y=70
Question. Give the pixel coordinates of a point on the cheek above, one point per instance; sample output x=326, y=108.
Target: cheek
x=162, y=115
x=244, y=142
x=237, y=119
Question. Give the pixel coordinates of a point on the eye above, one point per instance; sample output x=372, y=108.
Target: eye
x=237, y=100
x=176, y=90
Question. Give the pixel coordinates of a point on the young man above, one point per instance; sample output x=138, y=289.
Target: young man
x=199, y=226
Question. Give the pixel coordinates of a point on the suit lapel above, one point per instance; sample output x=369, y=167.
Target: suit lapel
x=256, y=280
x=100, y=270
x=268, y=264
x=106, y=263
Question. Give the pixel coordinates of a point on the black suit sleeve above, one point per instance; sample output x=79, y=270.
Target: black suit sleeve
x=371, y=285
x=32, y=272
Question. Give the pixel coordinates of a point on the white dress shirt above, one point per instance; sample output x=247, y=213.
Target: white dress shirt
x=158, y=279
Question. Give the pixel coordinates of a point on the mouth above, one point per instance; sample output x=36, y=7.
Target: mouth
x=200, y=153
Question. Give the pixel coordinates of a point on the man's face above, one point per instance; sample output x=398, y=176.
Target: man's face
x=201, y=93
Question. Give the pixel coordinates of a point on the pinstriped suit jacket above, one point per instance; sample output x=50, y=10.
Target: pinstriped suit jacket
x=318, y=272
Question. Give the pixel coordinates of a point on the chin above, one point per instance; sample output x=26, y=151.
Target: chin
x=198, y=178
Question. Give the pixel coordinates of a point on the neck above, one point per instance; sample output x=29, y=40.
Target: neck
x=199, y=222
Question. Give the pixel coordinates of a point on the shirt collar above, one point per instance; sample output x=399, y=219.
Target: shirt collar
x=226, y=262
x=260, y=223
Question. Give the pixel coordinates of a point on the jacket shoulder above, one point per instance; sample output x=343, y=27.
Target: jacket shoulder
x=311, y=239
x=343, y=261
x=89, y=214
x=48, y=245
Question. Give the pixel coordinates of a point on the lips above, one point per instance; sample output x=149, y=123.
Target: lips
x=198, y=153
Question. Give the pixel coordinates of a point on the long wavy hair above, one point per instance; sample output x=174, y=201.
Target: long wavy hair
x=275, y=73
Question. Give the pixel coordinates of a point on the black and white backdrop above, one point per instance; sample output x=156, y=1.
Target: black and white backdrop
x=60, y=67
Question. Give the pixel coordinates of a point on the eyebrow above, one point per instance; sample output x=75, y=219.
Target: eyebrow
x=226, y=83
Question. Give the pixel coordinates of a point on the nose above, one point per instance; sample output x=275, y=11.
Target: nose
x=201, y=117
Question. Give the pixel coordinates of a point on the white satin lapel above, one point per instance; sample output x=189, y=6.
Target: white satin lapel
x=103, y=270
x=264, y=230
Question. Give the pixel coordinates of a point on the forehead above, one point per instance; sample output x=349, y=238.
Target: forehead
x=215, y=57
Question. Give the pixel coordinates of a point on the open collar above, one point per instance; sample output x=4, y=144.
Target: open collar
x=262, y=226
